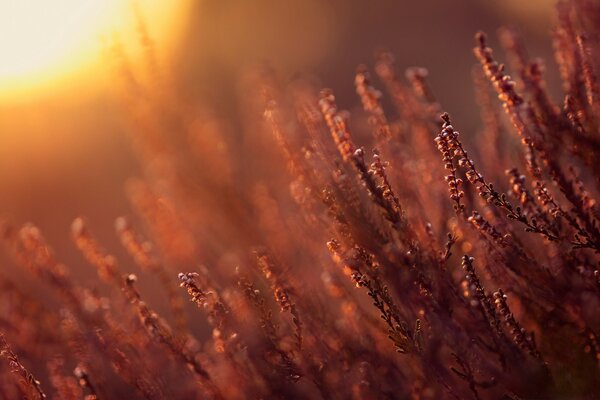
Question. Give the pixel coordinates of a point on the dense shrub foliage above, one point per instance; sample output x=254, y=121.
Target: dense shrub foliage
x=379, y=256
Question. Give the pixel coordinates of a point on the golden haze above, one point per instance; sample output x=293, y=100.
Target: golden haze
x=47, y=43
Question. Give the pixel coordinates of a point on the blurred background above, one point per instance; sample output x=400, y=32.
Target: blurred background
x=64, y=136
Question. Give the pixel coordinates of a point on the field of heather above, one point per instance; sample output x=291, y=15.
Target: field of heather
x=268, y=200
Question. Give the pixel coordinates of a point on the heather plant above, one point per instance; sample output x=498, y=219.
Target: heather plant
x=308, y=257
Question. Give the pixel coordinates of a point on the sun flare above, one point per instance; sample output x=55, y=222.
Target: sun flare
x=42, y=39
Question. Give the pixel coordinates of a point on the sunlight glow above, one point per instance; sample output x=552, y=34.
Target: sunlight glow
x=40, y=39
x=36, y=33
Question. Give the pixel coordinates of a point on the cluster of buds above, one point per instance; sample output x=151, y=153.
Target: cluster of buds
x=84, y=381
x=528, y=203
x=472, y=175
x=485, y=227
x=518, y=188
x=359, y=279
x=370, y=98
x=375, y=181
x=485, y=191
x=546, y=199
x=28, y=382
x=188, y=281
x=160, y=331
x=524, y=340
x=589, y=76
x=575, y=115
x=450, y=146
x=377, y=169
x=334, y=248
x=208, y=300
x=141, y=251
x=446, y=142
x=385, y=70
x=348, y=262
x=337, y=121
x=503, y=84
x=377, y=166
x=369, y=95
x=479, y=293
x=588, y=203
x=91, y=250
x=417, y=76
x=279, y=291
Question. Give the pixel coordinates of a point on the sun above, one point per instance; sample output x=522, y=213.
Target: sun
x=40, y=39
